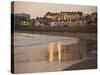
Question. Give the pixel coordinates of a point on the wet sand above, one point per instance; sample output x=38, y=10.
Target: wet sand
x=84, y=64
x=31, y=53
x=32, y=56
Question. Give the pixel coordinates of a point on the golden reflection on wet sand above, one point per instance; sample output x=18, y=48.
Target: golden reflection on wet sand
x=59, y=51
x=52, y=49
x=51, y=52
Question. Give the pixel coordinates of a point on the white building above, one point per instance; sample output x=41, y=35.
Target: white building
x=52, y=24
x=37, y=23
x=25, y=23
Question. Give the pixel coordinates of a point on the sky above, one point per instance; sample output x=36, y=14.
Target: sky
x=40, y=9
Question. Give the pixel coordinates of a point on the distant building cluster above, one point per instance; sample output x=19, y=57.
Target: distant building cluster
x=64, y=18
x=57, y=19
x=21, y=19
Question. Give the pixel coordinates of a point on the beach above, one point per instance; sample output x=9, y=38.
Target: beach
x=31, y=52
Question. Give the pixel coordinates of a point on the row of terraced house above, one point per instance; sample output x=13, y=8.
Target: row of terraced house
x=56, y=19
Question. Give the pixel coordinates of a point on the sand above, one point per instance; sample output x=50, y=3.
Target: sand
x=31, y=53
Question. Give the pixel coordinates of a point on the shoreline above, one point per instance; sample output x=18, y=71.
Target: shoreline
x=83, y=36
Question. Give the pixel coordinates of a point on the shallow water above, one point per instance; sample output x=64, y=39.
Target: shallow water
x=41, y=53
